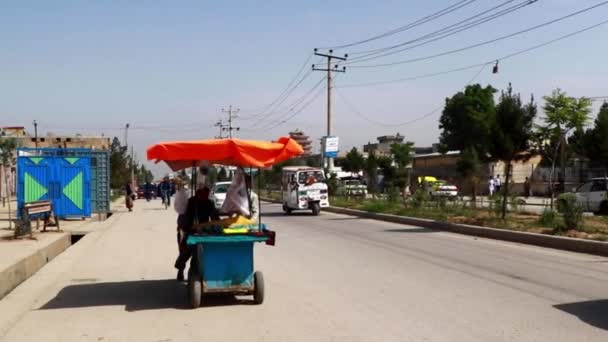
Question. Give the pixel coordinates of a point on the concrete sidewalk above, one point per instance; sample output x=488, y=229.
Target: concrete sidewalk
x=20, y=259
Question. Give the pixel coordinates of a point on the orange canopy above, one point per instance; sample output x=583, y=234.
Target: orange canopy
x=247, y=153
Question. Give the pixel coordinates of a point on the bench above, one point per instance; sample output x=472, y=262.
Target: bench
x=35, y=211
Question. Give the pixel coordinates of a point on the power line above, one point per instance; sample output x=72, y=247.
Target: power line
x=306, y=105
x=302, y=99
x=293, y=80
x=482, y=43
x=520, y=52
x=416, y=23
x=264, y=115
x=444, y=32
x=409, y=122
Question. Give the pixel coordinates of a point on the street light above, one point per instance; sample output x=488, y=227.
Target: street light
x=35, y=132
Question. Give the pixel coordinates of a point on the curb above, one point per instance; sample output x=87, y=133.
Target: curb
x=549, y=241
x=16, y=274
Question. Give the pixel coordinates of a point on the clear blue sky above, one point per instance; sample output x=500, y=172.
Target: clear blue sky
x=91, y=66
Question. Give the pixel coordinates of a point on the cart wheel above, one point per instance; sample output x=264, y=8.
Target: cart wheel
x=316, y=208
x=195, y=289
x=258, y=287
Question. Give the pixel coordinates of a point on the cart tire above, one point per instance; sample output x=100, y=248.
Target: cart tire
x=195, y=289
x=316, y=208
x=258, y=287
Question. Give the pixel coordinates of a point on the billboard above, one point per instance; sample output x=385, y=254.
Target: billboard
x=330, y=147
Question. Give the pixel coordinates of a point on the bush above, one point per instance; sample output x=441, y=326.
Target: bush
x=420, y=198
x=572, y=211
x=548, y=218
x=375, y=207
x=393, y=194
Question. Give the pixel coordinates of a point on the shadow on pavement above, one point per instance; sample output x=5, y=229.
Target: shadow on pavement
x=594, y=312
x=345, y=218
x=134, y=296
x=282, y=214
x=411, y=230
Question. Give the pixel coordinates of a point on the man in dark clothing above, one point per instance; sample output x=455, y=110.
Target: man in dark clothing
x=165, y=191
x=201, y=209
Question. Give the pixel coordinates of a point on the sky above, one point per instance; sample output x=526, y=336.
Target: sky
x=169, y=67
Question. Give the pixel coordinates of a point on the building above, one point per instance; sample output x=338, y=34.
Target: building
x=383, y=147
x=444, y=166
x=302, y=139
x=13, y=131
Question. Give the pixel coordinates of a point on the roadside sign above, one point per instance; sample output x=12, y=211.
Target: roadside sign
x=331, y=147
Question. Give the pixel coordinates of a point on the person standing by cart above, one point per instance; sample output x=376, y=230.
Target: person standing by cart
x=200, y=209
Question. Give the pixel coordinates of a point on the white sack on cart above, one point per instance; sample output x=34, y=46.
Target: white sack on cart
x=236, y=197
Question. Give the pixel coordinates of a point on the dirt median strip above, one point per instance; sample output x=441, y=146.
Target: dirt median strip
x=549, y=241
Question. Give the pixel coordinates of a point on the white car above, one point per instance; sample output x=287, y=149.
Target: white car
x=218, y=193
x=592, y=196
x=444, y=189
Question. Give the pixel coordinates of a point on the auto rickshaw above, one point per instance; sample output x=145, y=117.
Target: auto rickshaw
x=222, y=259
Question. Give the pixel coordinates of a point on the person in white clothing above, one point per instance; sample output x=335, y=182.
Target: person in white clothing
x=497, y=184
x=491, y=186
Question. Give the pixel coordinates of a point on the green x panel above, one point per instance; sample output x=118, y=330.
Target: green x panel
x=33, y=189
x=74, y=191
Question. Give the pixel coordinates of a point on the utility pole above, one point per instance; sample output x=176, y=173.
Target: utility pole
x=231, y=115
x=221, y=126
x=127, y=136
x=35, y=133
x=127, y=151
x=329, y=70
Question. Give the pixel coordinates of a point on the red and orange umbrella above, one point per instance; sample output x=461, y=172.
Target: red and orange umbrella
x=236, y=152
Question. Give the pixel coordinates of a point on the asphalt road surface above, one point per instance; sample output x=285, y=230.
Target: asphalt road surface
x=330, y=278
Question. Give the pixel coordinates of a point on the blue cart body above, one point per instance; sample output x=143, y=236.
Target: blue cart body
x=225, y=263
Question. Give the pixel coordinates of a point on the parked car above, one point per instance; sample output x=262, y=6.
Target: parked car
x=592, y=196
x=141, y=192
x=443, y=189
x=218, y=193
x=353, y=187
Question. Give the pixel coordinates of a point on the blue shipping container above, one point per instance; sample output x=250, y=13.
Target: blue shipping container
x=59, y=177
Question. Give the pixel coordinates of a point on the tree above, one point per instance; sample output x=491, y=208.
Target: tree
x=222, y=175
x=353, y=162
x=402, y=154
x=119, y=171
x=511, y=134
x=466, y=124
x=562, y=115
x=7, y=160
x=385, y=164
x=371, y=172
x=467, y=119
x=469, y=165
x=599, y=137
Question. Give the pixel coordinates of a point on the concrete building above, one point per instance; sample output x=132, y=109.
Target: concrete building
x=13, y=131
x=383, y=147
x=302, y=139
x=444, y=166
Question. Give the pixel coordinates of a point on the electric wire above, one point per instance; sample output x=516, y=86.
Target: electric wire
x=485, y=42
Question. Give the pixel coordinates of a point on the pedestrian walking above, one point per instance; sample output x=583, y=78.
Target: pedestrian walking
x=497, y=184
x=527, y=187
x=129, y=196
x=491, y=186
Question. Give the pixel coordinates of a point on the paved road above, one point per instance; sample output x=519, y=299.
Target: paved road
x=331, y=278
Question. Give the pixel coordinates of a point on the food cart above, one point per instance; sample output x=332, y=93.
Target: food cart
x=222, y=252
